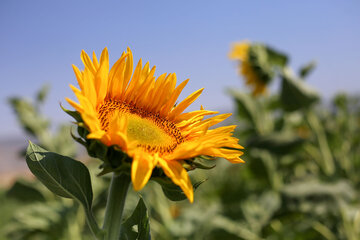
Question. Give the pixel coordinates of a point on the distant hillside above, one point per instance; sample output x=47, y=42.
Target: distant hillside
x=12, y=164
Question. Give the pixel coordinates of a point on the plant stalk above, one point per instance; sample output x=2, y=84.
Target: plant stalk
x=115, y=205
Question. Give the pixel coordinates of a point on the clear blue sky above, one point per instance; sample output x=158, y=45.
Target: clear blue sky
x=39, y=40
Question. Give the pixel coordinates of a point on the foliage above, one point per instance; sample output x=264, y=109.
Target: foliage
x=38, y=126
x=300, y=180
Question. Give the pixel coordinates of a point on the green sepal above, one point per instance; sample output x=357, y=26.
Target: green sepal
x=74, y=114
x=139, y=219
x=78, y=139
x=115, y=161
x=202, y=162
x=96, y=149
x=172, y=191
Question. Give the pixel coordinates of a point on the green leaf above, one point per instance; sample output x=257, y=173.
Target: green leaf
x=63, y=143
x=318, y=197
x=259, y=209
x=246, y=106
x=276, y=143
x=172, y=191
x=63, y=176
x=295, y=94
x=235, y=227
x=260, y=64
x=42, y=94
x=137, y=226
x=37, y=125
x=29, y=117
x=276, y=58
x=46, y=220
x=25, y=192
x=312, y=188
x=307, y=69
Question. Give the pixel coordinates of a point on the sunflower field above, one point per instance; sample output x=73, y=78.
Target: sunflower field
x=298, y=176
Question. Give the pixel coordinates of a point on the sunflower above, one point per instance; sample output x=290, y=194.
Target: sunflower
x=137, y=112
x=241, y=51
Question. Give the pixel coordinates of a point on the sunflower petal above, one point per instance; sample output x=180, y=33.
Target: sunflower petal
x=184, y=104
x=87, y=62
x=137, y=112
x=175, y=171
x=170, y=104
x=79, y=77
x=141, y=169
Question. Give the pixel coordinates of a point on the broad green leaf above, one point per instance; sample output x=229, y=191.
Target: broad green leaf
x=173, y=191
x=276, y=58
x=295, y=94
x=137, y=226
x=63, y=176
x=25, y=192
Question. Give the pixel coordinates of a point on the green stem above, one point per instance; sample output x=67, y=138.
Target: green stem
x=115, y=205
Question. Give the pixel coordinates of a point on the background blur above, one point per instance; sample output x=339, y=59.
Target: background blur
x=301, y=176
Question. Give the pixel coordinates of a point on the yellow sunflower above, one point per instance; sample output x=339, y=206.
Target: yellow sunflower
x=136, y=112
x=240, y=51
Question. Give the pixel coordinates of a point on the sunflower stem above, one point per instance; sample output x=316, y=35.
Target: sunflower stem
x=115, y=205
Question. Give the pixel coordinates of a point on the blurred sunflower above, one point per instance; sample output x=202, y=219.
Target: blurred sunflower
x=241, y=51
x=136, y=112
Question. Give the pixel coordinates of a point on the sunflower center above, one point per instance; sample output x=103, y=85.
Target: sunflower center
x=149, y=130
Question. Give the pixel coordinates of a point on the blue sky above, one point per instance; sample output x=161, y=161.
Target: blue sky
x=40, y=40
